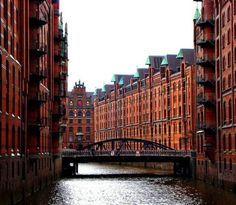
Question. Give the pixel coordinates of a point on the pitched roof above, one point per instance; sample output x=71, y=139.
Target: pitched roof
x=187, y=54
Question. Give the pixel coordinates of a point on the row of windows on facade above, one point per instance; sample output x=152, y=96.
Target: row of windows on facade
x=137, y=100
x=157, y=129
x=71, y=121
x=79, y=138
x=10, y=88
x=139, y=116
x=79, y=103
x=12, y=140
x=79, y=114
x=79, y=129
x=13, y=19
x=145, y=106
x=225, y=163
x=224, y=143
x=227, y=113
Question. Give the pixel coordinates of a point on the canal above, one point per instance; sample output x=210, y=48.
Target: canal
x=128, y=190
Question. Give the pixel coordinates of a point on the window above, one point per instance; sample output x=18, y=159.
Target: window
x=87, y=114
x=229, y=59
x=87, y=129
x=228, y=36
x=230, y=142
x=228, y=14
x=80, y=114
x=71, y=114
x=224, y=143
x=180, y=128
x=79, y=103
x=179, y=110
x=223, y=19
x=79, y=121
x=223, y=41
x=230, y=111
x=224, y=113
x=229, y=81
x=70, y=129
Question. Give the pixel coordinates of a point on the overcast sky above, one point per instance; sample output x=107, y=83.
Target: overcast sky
x=109, y=37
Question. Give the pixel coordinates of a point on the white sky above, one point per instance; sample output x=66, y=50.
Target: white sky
x=109, y=37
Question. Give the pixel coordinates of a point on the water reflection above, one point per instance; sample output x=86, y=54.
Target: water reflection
x=163, y=191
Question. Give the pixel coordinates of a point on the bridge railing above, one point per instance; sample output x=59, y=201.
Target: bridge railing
x=91, y=153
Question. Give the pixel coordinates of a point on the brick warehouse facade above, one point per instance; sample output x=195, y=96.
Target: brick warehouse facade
x=33, y=84
x=156, y=104
x=80, y=130
x=214, y=39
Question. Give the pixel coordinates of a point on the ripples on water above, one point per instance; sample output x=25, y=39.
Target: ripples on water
x=143, y=191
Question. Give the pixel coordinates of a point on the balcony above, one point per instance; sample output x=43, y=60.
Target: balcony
x=205, y=81
x=38, y=73
x=205, y=62
x=206, y=41
x=61, y=76
x=206, y=128
x=205, y=100
x=38, y=98
x=38, y=49
x=37, y=19
x=205, y=22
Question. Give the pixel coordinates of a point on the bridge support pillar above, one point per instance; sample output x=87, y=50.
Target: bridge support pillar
x=184, y=168
x=69, y=167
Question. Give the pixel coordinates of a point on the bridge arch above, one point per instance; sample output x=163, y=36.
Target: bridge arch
x=126, y=144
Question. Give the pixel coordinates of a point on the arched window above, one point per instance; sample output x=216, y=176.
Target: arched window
x=230, y=111
x=174, y=86
x=13, y=138
x=80, y=114
x=230, y=164
x=87, y=114
x=224, y=113
x=71, y=114
x=224, y=143
x=230, y=142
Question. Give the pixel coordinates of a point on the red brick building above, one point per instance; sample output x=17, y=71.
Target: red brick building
x=154, y=104
x=215, y=34
x=33, y=83
x=80, y=131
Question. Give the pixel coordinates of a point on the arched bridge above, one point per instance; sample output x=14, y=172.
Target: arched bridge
x=127, y=150
x=126, y=144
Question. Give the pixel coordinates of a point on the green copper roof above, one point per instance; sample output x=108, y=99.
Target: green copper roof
x=113, y=79
x=164, y=61
x=148, y=61
x=197, y=14
x=104, y=88
x=121, y=82
x=95, y=92
x=180, y=54
x=136, y=75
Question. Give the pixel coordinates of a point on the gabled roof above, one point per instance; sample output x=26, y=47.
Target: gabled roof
x=156, y=61
x=187, y=54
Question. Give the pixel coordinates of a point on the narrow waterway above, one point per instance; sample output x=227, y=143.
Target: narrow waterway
x=130, y=191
